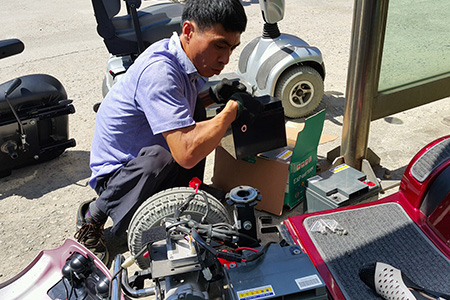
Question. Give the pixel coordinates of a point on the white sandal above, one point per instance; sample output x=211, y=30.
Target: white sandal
x=391, y=284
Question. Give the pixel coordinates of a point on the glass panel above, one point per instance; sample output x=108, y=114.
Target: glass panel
x=417, y=42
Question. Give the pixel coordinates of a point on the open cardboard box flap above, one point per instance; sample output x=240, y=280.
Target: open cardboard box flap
x=293, y=128
x=270, y=171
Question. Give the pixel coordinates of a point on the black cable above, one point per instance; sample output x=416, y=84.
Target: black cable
x=65, y=287
x=222, y=224
x=222, y=232
x=180, y=209
x=259, y=254
x=243, y=235
x=181, y=222
x=71, y=284
x=203, y=220
x=202, y=243
x=142, y=251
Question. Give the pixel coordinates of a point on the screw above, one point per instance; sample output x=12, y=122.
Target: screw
x=296, y=251
x=36, y=157
x=247, y=225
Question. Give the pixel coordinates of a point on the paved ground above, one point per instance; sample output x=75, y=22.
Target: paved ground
x=38, y=203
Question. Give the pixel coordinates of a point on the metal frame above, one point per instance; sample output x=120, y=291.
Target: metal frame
x=363, y=101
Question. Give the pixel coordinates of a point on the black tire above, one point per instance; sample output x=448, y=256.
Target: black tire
x=300, y=90
x=96, y=106
x=105, y=89
x=162, y=205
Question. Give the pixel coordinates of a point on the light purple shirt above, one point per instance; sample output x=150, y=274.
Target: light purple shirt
x=157, y=94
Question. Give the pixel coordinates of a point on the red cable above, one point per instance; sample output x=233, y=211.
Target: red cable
x=246, y=248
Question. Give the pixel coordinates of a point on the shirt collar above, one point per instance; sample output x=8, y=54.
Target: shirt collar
x=176, y=48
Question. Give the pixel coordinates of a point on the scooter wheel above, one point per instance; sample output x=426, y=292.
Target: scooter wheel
x=300, y=90
x=162, y=205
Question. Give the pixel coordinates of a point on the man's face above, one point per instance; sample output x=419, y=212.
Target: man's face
x=210, y=50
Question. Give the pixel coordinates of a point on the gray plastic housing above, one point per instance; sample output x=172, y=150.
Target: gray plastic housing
x=272, y=10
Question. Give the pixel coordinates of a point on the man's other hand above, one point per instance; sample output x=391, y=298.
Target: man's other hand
x=221, y=92
x=248, y=108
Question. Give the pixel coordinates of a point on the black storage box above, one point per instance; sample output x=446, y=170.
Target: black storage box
x=266, y=133
x=40, y=102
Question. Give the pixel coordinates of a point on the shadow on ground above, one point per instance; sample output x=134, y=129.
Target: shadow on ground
x=36, y=180
x=334, y=104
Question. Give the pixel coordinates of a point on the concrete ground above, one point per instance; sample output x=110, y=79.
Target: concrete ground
x=38, y=203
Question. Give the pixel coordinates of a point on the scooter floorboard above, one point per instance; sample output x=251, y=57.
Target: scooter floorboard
x=383, y=233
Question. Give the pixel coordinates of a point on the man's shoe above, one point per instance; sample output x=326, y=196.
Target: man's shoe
x=90, y=233
x=81, y=213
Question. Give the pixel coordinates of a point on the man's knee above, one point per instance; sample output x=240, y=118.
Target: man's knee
x=154, y=159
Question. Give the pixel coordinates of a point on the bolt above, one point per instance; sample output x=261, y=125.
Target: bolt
x=32, y=122
x=247, y=225
x=296, y=251
x=36, y=157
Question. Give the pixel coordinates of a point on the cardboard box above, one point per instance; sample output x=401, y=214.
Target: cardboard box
x=280, y=174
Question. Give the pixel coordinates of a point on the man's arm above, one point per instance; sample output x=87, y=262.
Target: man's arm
x=191, y=144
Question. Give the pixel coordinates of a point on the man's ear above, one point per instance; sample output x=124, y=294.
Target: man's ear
x=187, y=30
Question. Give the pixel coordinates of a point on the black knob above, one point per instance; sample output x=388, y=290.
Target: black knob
x=103, y=286
x=79, y=263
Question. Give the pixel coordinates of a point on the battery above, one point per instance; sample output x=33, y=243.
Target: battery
x=337, y=187
x=268, y=131
x=283, y=273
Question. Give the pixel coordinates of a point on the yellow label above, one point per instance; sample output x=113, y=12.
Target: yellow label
x=339, y=168
x=256, y=293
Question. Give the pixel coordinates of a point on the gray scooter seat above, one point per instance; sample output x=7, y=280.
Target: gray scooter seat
x=157, y=22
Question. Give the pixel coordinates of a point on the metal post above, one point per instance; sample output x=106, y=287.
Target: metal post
x=369, y=23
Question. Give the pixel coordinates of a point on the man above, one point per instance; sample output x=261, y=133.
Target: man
x=150, y=132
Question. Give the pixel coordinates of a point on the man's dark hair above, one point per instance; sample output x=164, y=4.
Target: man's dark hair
x=207, y=13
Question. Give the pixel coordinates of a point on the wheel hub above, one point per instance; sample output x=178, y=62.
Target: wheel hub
x=301, y=93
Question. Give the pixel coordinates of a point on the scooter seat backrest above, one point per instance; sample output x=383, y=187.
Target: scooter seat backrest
x=112, y=7
x=35, y=91
x=157, y=22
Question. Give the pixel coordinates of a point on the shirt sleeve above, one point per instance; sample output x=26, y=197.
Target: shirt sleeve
x=161, y=95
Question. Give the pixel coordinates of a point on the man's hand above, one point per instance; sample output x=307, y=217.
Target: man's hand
x=248, y=108
x=221, y=92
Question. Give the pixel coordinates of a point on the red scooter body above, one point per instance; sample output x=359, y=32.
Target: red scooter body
x=424, y=196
